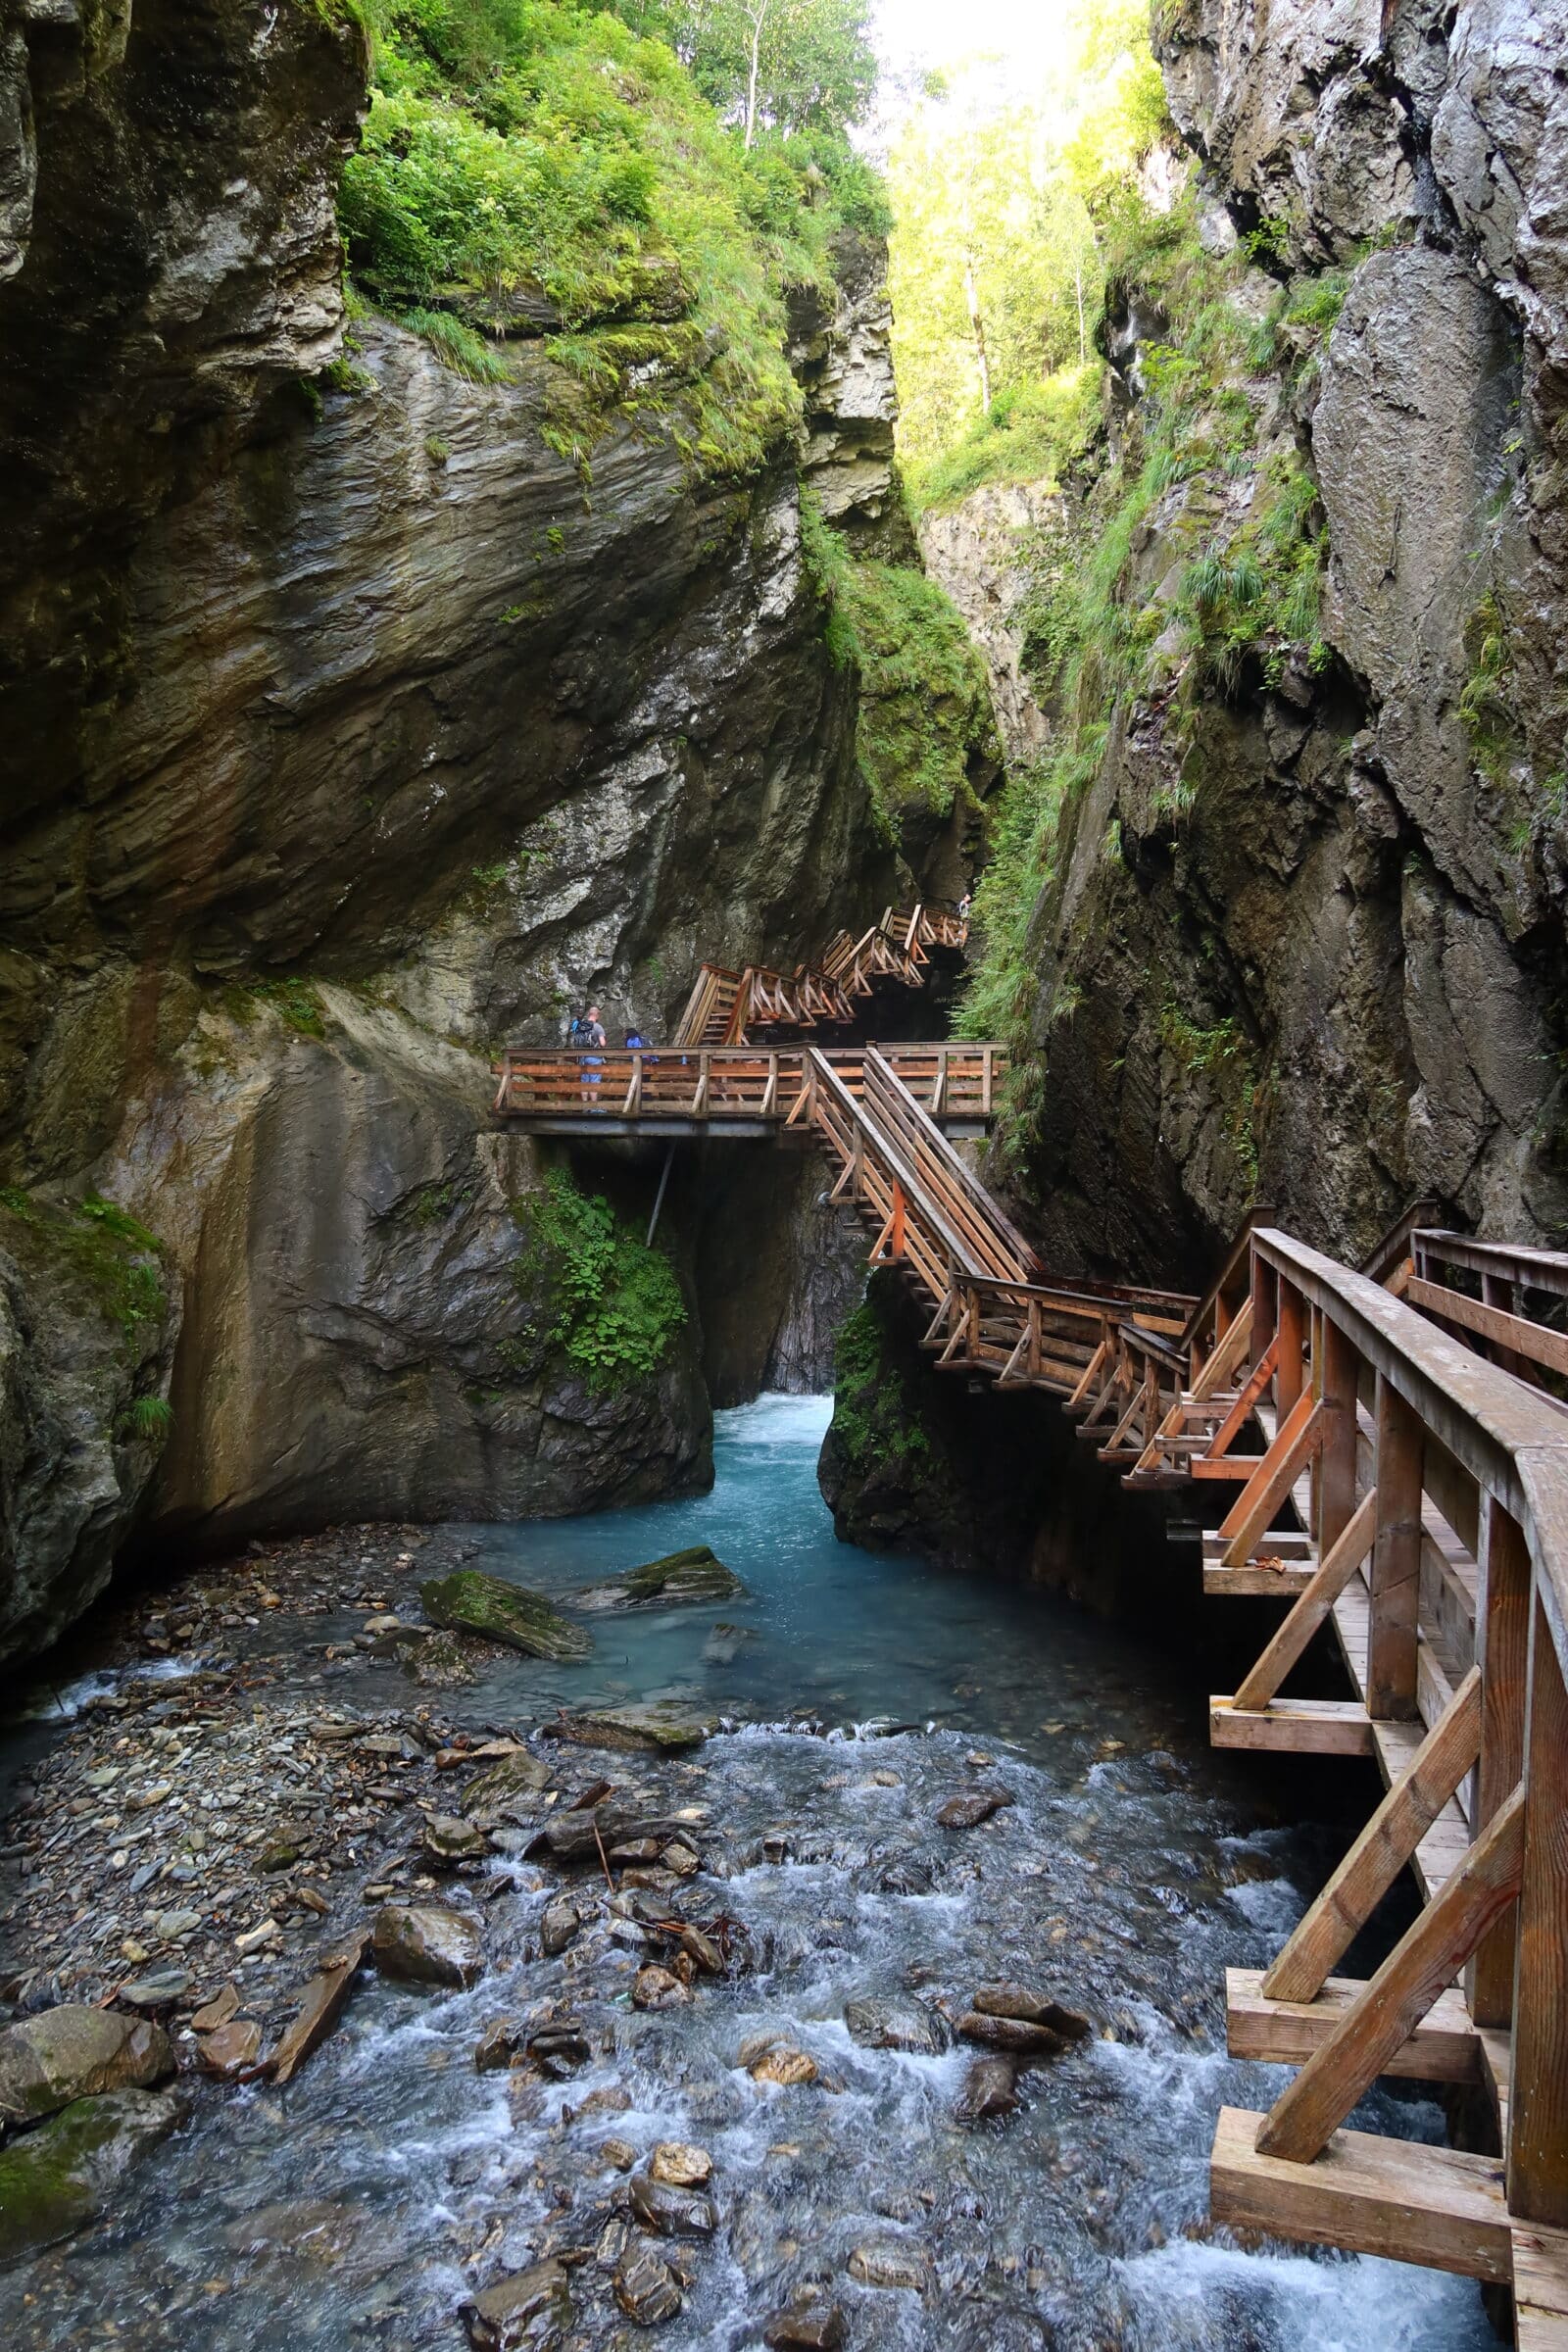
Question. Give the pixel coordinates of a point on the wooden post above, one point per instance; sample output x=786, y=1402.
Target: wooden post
x=896, y=1222
x=1538, y=2132
x=1265, y=1291
x=1396, y=1580
x=1497, y=1289
x=1291, y=1328
x=1336, y=1491
x=1502, y=1653
x=986, y=1058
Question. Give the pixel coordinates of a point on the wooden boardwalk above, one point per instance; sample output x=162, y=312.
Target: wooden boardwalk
x=731, y=1007
x=1392, y=1447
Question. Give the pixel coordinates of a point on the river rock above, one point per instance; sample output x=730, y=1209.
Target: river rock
x=498, y=2045
x=654, y=1987
x=693, y=1575
x=679, y=2165
x=468, y=1602
x=505, y=1783
x=227, y=2050
x=883, y=2025
x=672, y=2212
x=645, y=2288
x=1012, y=2034
x=427, y=1942
x=890, y=2263
x=813, y=2328
x=1031, y=2008
x=967, y=1812
x=558, y=1925
x=770, y=2060
x=662, y=1724
x=560, y=2048
x=990, y=2090
x=320, y=2008
x=532, y=2307
x=576, y=1836
x=62, y=2175
x=448, y=1841
x=74, y=2052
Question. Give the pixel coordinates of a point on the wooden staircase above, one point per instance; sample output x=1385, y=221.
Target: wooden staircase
x=726, y=1007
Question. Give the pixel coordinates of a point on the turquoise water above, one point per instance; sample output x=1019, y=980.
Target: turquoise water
x=1131, y=1868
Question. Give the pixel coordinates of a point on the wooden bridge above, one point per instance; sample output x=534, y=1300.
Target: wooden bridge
x=726, y=1008
x=1396, y=1440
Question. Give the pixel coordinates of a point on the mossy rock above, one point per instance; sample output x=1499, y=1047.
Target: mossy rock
x=470, y=1603
x=693, y=1575
x=59, y=2177
x=660, y=1725
x=74, y=2052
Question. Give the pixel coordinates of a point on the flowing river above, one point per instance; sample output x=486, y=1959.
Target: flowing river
x=363, y=2204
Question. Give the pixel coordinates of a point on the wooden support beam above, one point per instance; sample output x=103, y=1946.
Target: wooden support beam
x=1290, y=1377
x=1338, y=1913
x=1537, y=2138
x=1311, y=1610
x=1336, y=1462
x=1315, y=1727
x=1540, y=2290
x=1301, y=1434
x=1253, y=1582
x=1308, y=2113
x=1502, y=1654
x=1444, y=2047
x=1369, y=2195
x=1395, y=1577
x=1247, y=1398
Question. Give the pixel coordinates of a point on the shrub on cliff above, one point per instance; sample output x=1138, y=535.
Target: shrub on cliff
x=528, y=167
x=595, y=1289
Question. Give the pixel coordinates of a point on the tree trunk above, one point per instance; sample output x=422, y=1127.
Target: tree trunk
x=758, y=19
x=977, y=329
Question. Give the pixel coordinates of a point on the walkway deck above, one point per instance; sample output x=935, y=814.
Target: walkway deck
x=1396, y=1442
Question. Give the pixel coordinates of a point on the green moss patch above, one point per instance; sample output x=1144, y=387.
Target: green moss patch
x=470, y=1603
x=594, y=1289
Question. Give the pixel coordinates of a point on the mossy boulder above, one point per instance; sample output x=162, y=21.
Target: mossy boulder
x=516, y=1779
x=73, y=2052
x=470, y=1603
x=660, y=1725
x=696, y=1574
x=59, y=2177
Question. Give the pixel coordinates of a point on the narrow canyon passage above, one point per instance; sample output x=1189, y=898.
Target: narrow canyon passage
x=859, y=1694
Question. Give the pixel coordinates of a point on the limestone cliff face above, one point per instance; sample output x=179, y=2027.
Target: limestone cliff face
x=348, y=731
x=1312, y=953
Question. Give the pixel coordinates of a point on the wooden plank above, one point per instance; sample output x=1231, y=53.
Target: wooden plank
x=1363, y=1877
x=1308, y=2113
x=1323, y=1727
x=1444, y=2047
x=1299, y=1435
x=1247, y=1396
x=1513, y=1331
x=1537, y=2141
x=1369, y=2195
x=1254, y=1583
x=1285, y=1543
x=1337, y=1461
x=1502, y=1654
x=1540, y=2288
x=1311, y=1610
x=1395, y=1577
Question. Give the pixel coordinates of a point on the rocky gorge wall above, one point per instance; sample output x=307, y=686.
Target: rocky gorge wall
x=350, y=729
x=1299, y=935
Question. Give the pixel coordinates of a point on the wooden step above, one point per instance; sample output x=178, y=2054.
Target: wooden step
x=1540, y=2288
x=1256, y=1584
x=1444, y=2047
x=1368, y=2194
x=1319, y=1727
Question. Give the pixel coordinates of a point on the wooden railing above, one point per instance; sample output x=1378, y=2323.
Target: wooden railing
x=1509, y=1305
x=726, y=1004
x=1431, y=1491
x=760, y=1083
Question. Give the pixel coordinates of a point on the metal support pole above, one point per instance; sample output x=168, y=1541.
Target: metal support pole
x=659, y=1196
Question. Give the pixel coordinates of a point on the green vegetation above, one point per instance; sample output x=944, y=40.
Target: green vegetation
x=874, y=1418
x=1000, y=255
x=1485, y=703
x=1221, y=1052
x=529, y=166
x=924, y=710
x=102, y=1250
x=600, y=1293
x=296, y=1002
x=145, y=1421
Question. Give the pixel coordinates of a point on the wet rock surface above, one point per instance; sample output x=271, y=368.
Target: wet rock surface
x=470, y=1603
x=694, y=1575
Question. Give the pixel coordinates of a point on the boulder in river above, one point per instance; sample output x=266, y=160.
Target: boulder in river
x=990, y=2090
x=662, y=1725
x=885, y=2024
x=558, y=1925
x=509, y=1781
x=645, y=2288
x=967, y=1812
x=1014, y=2034
x=693, y=1575
x=767, y=2058
x=74, y=2052
x=672, y=2212
x=892, y=2263
x=448, y=1841
x=63, y=2175
x=805, y=2328
x=654, y=1987
x=1031, y=2008
x=533, y=2306
x=679, y=2165
x=427, y=1942
x=468, y=1602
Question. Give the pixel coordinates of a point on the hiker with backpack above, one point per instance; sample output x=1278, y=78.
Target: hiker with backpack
x=586, y=1037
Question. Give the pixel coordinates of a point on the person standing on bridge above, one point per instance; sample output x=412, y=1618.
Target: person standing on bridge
x=589, y=1032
